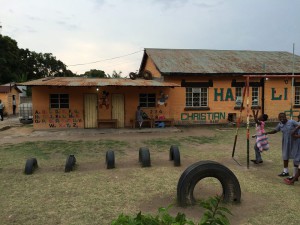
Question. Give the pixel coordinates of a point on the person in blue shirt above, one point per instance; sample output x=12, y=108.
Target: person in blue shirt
x=296, y=146
x=286, y=127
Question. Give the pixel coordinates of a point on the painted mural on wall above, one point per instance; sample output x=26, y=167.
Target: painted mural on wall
x=104, y=100
x=59, y=118
x=162, y=100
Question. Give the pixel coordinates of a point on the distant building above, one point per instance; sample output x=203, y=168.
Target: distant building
x=7, y=93
x=187, y=86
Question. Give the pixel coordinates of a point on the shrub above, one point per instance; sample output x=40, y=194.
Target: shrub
x=214, y=215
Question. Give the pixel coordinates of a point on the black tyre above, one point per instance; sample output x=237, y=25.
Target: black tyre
x=110, y=159
x=202, y=169
x=132, y=75
x=175, y=155
x=145, y=157
x=147, y=75
x=140, y=153
x=30, y=166
x=70, y=163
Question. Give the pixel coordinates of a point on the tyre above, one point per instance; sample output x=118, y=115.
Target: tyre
x=145, y=157
x=171, y=156
x=30, y=166
x=132, y=75
x=175, y=155
x=110, y=159
x=140, y=153
x=70, y=163
x=147, y=75
x=202, y=169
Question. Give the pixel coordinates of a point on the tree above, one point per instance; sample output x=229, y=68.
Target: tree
x=22, y=64
x=115, y=74
x=95, y=73
x=39, y=65
x=9, y=58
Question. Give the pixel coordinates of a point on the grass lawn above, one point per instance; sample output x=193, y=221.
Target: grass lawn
x=92, y=194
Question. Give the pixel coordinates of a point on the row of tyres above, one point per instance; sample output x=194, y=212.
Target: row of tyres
x=144, y=159
x=231, y=191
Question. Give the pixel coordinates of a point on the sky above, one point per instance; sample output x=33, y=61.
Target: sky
x=111, y=35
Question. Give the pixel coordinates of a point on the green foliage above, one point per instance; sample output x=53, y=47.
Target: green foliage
x=19, y=65
x=214, y=215
x=95, y=74
x=115, y=74
x=163, y=218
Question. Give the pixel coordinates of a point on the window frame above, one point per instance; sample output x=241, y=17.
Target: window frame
x=149, y=102
x=59, y=101
x=255, y=95
x=203, y=94
x=297, y=101
x=238, y=93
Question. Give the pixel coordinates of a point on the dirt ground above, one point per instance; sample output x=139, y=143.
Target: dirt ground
x=250, y=202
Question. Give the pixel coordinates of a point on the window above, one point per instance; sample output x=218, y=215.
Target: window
x=297, y=96
x=196, y=97
x=238, y=96
x=255, y=96
x=147, y=100
x=59, y=101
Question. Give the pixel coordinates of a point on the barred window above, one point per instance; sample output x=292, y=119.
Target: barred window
x=196, y=97
x=147, y=100
x=297, y=95
x=255, y=96
x=59, y=101
x=238, y=96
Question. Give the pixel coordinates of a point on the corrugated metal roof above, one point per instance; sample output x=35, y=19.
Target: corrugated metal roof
x=198, y=61
x=96, y=82
x=6, y=88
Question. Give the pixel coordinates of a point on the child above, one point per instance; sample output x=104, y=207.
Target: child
x=296, y=146
x=286, y=127
x=261, y=142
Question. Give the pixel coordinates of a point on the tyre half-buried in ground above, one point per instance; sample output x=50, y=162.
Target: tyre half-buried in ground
x=203, y=169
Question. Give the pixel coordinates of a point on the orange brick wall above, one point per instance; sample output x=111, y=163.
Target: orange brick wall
x=6, y=99
x=45, y=118
x=277, y=99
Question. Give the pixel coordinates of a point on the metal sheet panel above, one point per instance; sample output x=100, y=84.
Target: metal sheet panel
x=97, y=82
x=199, y=61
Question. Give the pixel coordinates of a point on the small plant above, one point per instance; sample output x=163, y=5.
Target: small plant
x=163, y=218
x=214, y=215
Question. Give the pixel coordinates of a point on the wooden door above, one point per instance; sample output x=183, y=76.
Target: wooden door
x=117, y=103
x=90, y=111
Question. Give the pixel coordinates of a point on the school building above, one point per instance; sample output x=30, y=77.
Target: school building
x=184, y=86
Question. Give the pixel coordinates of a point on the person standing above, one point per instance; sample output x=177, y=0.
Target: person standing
x=261, y=141
x=14, y=105
x=286, y=127
x=1, y=109
x=139, y=116
x=296, y=146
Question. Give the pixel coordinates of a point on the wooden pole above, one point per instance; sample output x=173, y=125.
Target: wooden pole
x=238, y=123
x=248, y=120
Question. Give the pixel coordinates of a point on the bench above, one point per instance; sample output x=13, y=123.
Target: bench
x=167, y=121
x=148, y=122
x=113, y=122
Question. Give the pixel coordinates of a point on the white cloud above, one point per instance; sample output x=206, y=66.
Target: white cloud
x=83, y=31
